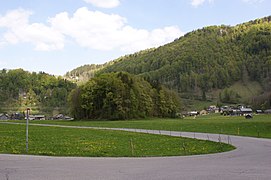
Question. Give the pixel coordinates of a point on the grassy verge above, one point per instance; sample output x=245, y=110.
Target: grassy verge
x=56, y=141
x=259, y=126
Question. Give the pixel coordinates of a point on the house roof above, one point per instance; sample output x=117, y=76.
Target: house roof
x=245, y=109
x=39, y=116
x=2, y=114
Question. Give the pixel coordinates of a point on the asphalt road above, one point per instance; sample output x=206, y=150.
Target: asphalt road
x=250, y=161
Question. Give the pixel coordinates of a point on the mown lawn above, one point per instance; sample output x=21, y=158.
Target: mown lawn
x=259, y=126
x=57, y=141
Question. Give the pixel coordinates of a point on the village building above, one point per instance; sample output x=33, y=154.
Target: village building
x=203, y=112
x=245, y=111
x=36, y=117
x=4, y=116
x=62, y=117
x=193, y=113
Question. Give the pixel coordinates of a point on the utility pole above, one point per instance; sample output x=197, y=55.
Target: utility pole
x=27, y=122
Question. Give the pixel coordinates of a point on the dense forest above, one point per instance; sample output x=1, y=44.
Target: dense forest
x=120, y=95
x=41, y=92
x=207, y=61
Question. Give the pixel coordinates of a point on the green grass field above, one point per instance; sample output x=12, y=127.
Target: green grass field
x=259, y=126
x=99, y=143
x=56, y=141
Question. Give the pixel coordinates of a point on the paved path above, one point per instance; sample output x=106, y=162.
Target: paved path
x=250, y=161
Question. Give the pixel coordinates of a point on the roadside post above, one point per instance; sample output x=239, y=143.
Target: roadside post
x=27, y=123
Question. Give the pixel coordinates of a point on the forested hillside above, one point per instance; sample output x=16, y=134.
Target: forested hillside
x=83, y=73
x=205, y=63
x=42, y=92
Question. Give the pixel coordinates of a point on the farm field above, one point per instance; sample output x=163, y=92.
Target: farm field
x=259, y=126
x=59, y=141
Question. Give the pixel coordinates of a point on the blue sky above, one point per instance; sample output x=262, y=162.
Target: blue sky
x=58, y=36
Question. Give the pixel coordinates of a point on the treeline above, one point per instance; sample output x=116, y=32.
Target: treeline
x=20, y=89
x=122, y=96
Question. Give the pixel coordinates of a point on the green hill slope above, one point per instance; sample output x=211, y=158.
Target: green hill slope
x=202, y=63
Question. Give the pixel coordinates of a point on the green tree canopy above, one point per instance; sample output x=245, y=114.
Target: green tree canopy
x=122, y=96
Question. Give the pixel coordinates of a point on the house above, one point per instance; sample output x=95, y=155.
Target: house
x=193, y=113
x=39, y=117
x=69, y=118
x=259, y=111
x=203, y=112
x=246, y=111
x=17, y=116
x=217, y=110
x=225, y=110
x=30, y=117
x=58, y=116
x=4, y=116
x=213, y=109
x=61, y=117
x=235, y=111
x=267, y=111
x=36, y=117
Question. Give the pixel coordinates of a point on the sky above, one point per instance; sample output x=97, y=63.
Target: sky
x=56, y=36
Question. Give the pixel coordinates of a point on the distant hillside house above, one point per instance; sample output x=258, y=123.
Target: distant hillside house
x=4, y=116
x=193, y=113
x=61, y=117
x=203, y=112
x=259, y=111
x=245, y=111
x=213, y=109
x=36, y=117
x=39, y=117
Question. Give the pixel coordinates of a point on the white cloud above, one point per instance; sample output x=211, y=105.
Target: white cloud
x=97, y=30
x=138, y=39
x=89, y=29
x=104, y=3
x=197, y=3
x=18, y=29
x=253, y=1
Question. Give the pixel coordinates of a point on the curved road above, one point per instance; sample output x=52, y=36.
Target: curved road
x=250, y=161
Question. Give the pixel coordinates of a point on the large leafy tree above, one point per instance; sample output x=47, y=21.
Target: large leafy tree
x=121, y=96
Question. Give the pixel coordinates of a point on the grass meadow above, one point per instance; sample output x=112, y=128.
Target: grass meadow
x=57, y=141
x=258, y=126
